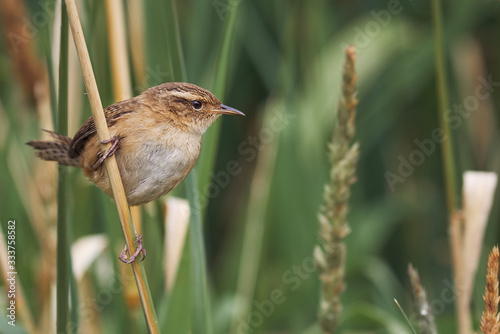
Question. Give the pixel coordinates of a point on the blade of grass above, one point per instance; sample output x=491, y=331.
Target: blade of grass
x=63, y=251
x=74, y=300
x=112, y=167
x=207, y=157
x=223, y=59
x=443, y=104
x=173, y=314
x=260, y=190
x=202, y=313
x=255, y=219
x=201, y=321
x=176, y=58
x=455, y=221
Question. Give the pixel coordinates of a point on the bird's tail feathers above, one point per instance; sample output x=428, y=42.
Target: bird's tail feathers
x=55, y=150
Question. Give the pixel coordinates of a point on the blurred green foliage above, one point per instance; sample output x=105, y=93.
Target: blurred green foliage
x=290, y=52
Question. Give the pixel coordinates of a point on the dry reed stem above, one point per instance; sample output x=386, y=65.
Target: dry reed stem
x=36, y=184
x=425, y=317
x=122, y=88
x=38, y=189
x=40, y=216
x=466, y=232
x=478, y=192
x=43, y=191
x=118, y=50
x=136, y=32
x=490, y=320
x=331, y=252
x=111, y=166
x=456, y=243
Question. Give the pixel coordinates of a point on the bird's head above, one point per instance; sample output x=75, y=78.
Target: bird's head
x=191, y=106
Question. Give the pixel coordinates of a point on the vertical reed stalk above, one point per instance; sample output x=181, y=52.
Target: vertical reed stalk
x=202, y=312
x=201, y=317
x=176, y=55
x=136, y=33
x=255, y=220
x=455, y=221
x=330, y=254
x=122, y=88
x=260, y=188
x=211, y=137
x=443, y=104
x=111, y=167
x=63, y=250
x=117, y=38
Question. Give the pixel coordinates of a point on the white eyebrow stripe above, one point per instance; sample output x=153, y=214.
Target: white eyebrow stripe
x=185, y=95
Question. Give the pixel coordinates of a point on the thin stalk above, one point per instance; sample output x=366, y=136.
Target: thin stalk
x=223, y=60
x=260, y=188
x=120, y=70
x=136, y=27
x=63, y=250
x=201, y=320
x=455, y=222
x=176, y=55
x=112, y=167
x=117, y=38
x=255, y=220
x=211, y=137
x=443, y=105
x=73, y=293
x=202, y=315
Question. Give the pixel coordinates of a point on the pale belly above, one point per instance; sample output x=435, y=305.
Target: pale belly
x=155, y=170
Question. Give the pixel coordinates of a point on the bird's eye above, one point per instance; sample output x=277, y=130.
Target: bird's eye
x=196, y=104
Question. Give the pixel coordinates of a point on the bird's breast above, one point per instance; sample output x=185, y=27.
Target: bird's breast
x=157, y=167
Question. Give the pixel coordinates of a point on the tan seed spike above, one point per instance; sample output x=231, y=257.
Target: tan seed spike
x=490, y=323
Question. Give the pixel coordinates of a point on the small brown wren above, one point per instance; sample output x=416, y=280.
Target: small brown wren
x=155, y=136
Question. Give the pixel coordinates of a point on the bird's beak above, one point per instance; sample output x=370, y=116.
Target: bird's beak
x=228, y=110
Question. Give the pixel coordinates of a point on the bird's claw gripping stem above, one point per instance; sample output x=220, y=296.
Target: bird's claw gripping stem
x=133, y=257
x=103, y=155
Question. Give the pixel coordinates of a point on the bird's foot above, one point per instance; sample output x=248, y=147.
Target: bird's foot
x=104, y=155
x=133, y=257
